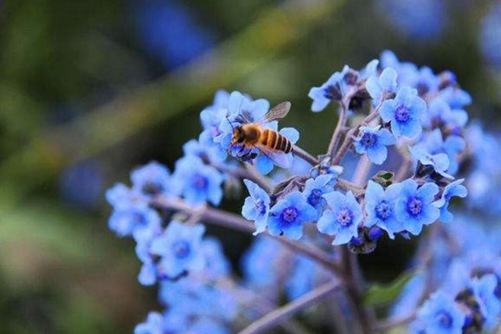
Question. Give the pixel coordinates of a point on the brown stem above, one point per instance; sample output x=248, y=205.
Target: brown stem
x=343, y=117
x=296, y=150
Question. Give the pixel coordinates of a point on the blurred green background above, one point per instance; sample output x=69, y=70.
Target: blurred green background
x=90, y=89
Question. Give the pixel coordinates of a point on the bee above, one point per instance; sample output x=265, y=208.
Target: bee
x=250, y=138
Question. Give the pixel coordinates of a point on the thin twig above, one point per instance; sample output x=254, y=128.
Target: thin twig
x=236, y=222
x=274, y=318
x=296, y=150
x=336, y=136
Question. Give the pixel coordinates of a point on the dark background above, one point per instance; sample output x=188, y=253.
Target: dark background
x=90, y=89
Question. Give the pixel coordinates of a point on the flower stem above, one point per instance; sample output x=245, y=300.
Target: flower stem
x=296, y=150
x=274, y=318
x=336, y=136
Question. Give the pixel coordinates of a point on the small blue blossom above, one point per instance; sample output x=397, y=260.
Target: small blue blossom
x=440, y=315
x=414, y=206
x=455, y=97
x=198, y=182
x=334, y=89
x=378, y=88
x=126, y=221
x=484, y=290
x=179, y=249
x=405, y=113
x=256, y=206
x=453, y=189
x=288, y=215
x=490, y=35
x=343, y=217
x=380, y=207
x=373, y=141
x=151, y=180
x=425, y=81
x=440, y=113
x=261, y=275
x=154, y=324
x=315, y=189
x=419, y=19
x=440, y=162
x=121, y=197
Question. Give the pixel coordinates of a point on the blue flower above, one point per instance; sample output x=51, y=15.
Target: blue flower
x=315, y=189
x=490, y=35
x=343, y=217
x=440, y=162
x=484, y=290
x=419, y=19
x=334, y=89
x=425, y=81
x=151, y=180
x=379, y=87
x=179, y=249
x=256, y=206
x=455, y=97
x=154, y=324
x=127, y=220
x=170, y=31
x=198, y=182
x=440, y=113
x=373, y=141
x=453, y=189
x=440, y=314
x=380, y=207
x=121, y=197
x=262, y=275
x=414, y=206
x=405, y=112
x=288, y=215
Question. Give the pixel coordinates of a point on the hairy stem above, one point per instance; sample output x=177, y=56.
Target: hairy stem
x=274, y=318
x=336, y=136
x=236, y=222
x=298, y=151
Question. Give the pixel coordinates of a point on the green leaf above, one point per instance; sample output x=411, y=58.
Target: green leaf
x=383, y=178
x=382, y=295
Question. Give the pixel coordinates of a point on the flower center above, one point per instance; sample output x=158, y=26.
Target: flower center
x=383, y=210
x=315, y=197
x=414, y=206
x=152, y=188
x=444, y=319
x=345, y=217
x=289, y=215
x=138, y=218
x=181, y=249
x=368, y=139
x=260, y=207
x=199, y=181
x=333, y=93
x=402, y=114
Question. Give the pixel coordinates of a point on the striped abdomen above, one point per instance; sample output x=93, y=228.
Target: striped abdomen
x=275, y=141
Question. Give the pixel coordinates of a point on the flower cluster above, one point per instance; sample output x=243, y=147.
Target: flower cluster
x=406, y=130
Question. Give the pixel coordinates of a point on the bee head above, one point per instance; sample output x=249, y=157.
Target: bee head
x=239, y=134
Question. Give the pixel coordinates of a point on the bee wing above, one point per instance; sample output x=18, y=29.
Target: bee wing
x=278, y=112
x=279, y=158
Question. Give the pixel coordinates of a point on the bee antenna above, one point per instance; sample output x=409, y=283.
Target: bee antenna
x=231, y=124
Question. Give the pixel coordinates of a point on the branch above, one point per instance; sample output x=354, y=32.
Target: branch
x=296, y=150
x=391, y=323
x=336, y=136
x=274, y=318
